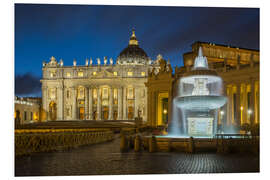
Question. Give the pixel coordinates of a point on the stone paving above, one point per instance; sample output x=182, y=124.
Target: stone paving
x=106, y=159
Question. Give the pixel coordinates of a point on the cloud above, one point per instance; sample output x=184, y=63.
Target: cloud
x=27, y=84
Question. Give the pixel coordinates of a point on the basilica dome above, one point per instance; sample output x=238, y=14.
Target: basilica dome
x=133, y=54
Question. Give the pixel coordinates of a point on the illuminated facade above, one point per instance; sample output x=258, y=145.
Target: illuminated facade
x=104, y=91
x=27, y=110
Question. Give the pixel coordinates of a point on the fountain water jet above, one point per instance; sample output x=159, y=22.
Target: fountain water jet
x=200, y=94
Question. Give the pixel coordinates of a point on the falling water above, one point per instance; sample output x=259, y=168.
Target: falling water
x=198, y=92
x=174, y=126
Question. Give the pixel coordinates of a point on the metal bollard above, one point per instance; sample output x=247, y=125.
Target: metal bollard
x=190, y=147
x=123, y=143
x=137, y=143
x=152, y=144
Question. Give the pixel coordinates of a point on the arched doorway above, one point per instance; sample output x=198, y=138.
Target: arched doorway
x=105, y=113
x=17, y=117
x=130, y=112
x=52, y=111
x=94, y=116
x=81, y=113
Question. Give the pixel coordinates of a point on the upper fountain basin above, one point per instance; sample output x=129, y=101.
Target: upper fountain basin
x=200, y=102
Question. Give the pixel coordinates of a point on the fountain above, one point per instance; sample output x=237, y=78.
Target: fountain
x=199, y=95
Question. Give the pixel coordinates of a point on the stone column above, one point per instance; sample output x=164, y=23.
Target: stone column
x=154, y=108
x=136, y=104
x=169, y=105
x=244, y=104
x=98, y=104
x=120, y=105
x=111, y=104
x=258, y=103
x=44, y=102
x=229, y=106
x=224, y=108
x=125, y=103
x=252, y=102
x=86, y=106
x=238, y=104
x=149, y=109
x=59, y=103
x=90, y=104
x=74, y=103
x=145, y=110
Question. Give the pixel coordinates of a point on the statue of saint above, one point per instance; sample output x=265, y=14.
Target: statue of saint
x=91, y=61
x=105, y=60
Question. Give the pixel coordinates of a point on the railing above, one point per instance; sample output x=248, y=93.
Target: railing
x=28, y=141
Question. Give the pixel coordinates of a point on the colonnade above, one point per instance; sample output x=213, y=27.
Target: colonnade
x=242, y=105
x=90, y=107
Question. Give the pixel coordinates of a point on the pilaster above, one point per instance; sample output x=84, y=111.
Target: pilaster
x=120, y=105
x=111, y=104
x=99, y=104
x=90, y=104
x=86, y=107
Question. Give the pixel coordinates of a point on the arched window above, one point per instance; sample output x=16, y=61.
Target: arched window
x=80, y=92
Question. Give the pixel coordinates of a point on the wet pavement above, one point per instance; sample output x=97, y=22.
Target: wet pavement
x=106, y=159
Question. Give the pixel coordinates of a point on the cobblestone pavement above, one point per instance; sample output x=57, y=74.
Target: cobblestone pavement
x=106, y=159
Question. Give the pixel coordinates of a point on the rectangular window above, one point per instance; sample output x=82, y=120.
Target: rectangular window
x=130, y=73
x=143, y=73
x=95, y=93
x=115, y=73
x=53, y=74
x=105, y=93
x=68, y=74
x=94, y=73
x=52, y=93
x=114, y=93
x=130, y=93
x=80, y=74
x=25, y=115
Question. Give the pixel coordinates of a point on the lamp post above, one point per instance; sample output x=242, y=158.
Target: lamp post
x=241, y=108
x=249, y=114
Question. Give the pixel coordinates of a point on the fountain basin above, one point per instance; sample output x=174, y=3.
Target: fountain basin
x=200, y=102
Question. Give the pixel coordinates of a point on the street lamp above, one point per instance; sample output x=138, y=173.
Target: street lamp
x=249, y=111
x=165, y=111
x=241, y=108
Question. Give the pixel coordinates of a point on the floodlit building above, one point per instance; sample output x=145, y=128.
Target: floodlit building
x=27, y=110
x=104, y=90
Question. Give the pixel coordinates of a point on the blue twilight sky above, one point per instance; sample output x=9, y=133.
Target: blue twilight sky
x=84, y=31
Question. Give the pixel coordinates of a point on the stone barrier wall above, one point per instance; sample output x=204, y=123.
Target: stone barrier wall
x=192, y=145
x=28, y=141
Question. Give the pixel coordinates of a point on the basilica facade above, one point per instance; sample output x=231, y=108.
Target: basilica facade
x=100, y=90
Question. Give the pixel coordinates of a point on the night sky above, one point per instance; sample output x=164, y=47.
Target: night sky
x=84, y=31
